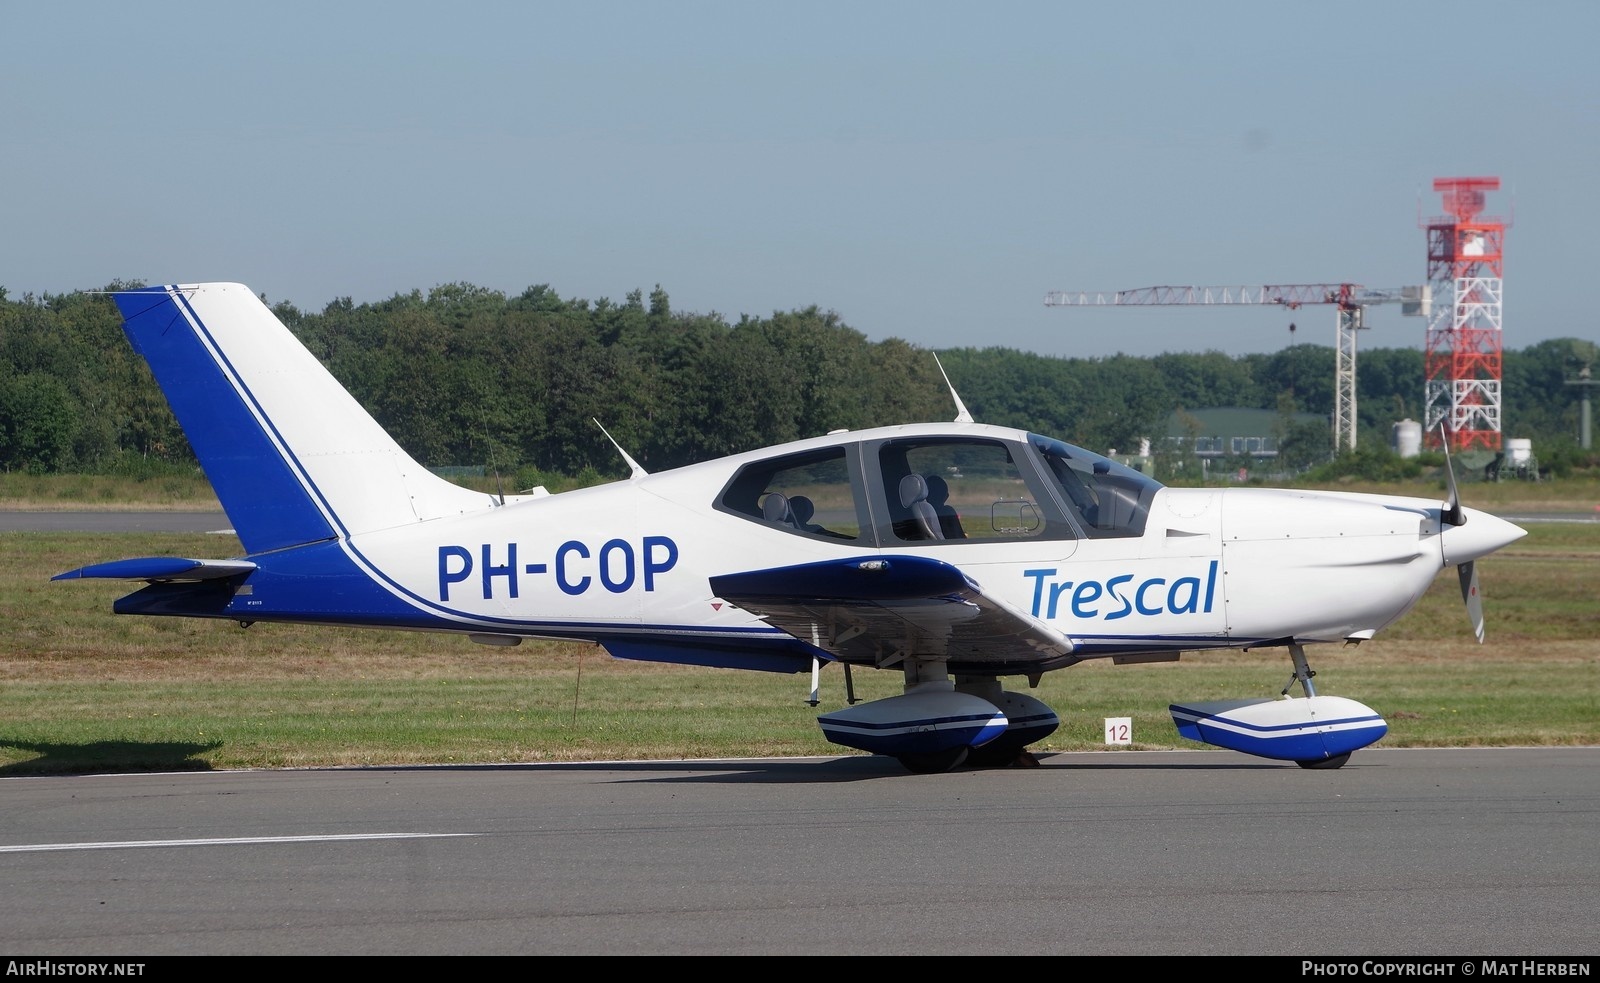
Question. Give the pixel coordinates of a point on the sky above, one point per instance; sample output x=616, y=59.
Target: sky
x=927, y=170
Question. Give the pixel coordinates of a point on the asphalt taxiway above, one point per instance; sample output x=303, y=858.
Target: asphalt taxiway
x=1482, y=852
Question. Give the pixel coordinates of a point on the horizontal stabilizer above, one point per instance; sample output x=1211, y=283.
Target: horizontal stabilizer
x=160, y=569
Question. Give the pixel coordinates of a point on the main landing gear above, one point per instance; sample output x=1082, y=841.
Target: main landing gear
x=938, y=724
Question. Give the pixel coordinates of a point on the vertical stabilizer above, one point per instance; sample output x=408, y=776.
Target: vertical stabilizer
x=291, y=455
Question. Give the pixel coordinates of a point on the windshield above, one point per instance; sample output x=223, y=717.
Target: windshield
x=1111, y=499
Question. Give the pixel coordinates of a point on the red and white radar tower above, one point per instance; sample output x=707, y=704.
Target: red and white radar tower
x=1462, y=360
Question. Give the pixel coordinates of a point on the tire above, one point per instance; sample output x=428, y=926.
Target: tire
x=989, y=756
x=934, y=762
x=1326, y=764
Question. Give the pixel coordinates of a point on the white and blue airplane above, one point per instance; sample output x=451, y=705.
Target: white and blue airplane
x=960, y=554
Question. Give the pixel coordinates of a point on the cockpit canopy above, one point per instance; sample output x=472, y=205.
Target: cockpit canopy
x=889, y=492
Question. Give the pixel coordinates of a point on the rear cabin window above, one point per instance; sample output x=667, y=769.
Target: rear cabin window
x=807, y=494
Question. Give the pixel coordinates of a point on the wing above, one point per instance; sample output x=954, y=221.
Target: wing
x=875, y=611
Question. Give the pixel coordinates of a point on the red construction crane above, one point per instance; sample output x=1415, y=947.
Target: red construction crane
x=1349, y=298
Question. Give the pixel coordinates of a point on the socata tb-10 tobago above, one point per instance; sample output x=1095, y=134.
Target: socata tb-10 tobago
x=958, y=554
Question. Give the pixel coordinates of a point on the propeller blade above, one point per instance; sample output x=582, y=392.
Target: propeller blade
x=1451, y=514
x=1468, y=572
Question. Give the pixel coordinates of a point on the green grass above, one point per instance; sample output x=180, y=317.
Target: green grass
x=84, y=690
x=51, y=492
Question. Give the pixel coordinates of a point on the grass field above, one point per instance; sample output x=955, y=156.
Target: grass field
x=84, y=690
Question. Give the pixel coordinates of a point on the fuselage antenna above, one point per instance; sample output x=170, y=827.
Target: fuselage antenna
x=489, y=447
x=633, y=466
x=962, y=416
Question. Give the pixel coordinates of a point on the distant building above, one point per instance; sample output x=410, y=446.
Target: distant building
x=1231, y=434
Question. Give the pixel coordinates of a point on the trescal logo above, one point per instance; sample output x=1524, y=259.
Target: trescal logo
x=1120, y=596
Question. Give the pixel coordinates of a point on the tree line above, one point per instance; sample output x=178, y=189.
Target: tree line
x=466, y=376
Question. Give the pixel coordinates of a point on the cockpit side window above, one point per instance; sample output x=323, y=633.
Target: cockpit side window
x=1111, y=500
x=962, y=489
x=807, y=494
